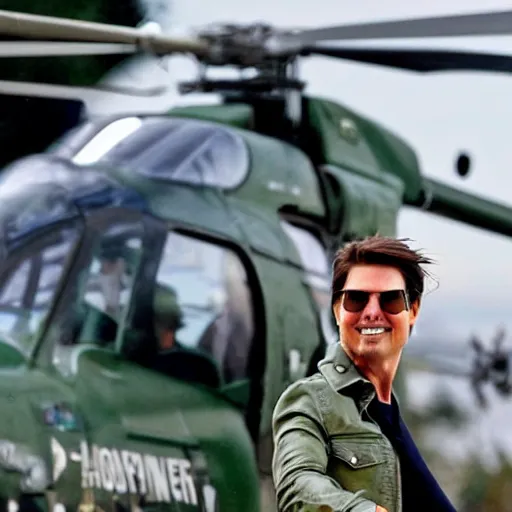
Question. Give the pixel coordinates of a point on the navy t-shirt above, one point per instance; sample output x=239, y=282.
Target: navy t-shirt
x=420, y=490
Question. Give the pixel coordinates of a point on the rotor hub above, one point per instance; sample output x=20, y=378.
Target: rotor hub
x=239, y=45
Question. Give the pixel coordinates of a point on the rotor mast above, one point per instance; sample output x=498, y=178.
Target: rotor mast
x=275, y=76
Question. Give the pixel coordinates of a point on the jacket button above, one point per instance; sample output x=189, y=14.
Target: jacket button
x=353, y=460
x=340, y=368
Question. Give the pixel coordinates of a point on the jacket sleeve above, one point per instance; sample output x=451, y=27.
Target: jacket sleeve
x=300, y=458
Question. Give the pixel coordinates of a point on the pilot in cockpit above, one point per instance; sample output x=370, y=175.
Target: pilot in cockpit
x=168, y=319
x=172, y=358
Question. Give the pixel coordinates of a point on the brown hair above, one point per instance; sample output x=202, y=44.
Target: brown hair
x=380, y=250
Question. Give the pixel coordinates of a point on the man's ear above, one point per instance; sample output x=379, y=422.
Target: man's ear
x=413, y=312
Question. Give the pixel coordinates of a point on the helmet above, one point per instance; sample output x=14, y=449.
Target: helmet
x=167, y=311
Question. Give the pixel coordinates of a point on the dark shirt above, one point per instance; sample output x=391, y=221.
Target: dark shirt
x=420, y=490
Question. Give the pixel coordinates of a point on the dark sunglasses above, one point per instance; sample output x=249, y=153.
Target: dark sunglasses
x=391, y=301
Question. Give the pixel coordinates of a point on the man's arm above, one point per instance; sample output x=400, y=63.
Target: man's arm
x=300, y=458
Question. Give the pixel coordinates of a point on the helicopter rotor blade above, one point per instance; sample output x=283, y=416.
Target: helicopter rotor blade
x=420, y=60
x=33, y=26
x=126, y=90
x=478, y=24
x=45, y=90
x=58, y=49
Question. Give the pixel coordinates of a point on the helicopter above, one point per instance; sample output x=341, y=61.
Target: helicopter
x=165, y=276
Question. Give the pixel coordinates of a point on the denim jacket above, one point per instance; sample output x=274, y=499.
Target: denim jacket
x=327, y=457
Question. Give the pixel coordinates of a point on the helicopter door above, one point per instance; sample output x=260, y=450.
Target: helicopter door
x=87, y=323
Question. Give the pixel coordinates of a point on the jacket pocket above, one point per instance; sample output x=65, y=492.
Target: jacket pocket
x=358, y=453
x=362, y=462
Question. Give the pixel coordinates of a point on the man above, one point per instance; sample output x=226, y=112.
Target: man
x=340, y=443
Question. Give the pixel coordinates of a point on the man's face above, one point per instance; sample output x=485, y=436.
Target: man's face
x=392, y=329
x=166, y=339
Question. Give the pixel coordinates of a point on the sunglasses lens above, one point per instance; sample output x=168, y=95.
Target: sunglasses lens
x=354, y=301
x=393, y=302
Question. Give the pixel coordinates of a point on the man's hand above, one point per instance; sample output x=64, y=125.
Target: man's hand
x=380, y=509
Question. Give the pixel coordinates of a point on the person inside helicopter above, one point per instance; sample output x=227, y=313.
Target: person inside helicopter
x=111, y=280
x=172, y=357
x=102, y=292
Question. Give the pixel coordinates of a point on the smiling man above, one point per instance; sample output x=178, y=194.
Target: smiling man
x=340, y=444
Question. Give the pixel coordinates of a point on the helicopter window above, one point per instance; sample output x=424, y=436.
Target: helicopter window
x=99, y=297
x=28, y=292
x=106, y=285
x=182, y=150
x=203, y=302
x=138, y=145
x=203, y=155
x=315, y=262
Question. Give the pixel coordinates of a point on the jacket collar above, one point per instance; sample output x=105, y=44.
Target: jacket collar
x=345, y=378
x=339, y=370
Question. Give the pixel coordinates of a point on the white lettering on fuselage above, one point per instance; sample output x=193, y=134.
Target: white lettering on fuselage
x=159, y=479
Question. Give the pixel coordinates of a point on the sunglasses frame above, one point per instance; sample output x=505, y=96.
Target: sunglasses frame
x=404, y=294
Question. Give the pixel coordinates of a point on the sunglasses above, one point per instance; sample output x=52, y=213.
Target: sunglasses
x=391, y=301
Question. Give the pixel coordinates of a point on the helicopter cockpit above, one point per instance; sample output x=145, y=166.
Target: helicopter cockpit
x=105, y=300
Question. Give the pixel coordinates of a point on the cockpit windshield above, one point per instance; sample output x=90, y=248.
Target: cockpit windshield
x=41, y=190
x=164, y=148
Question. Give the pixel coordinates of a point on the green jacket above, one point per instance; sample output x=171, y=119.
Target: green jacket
x=326, y=457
